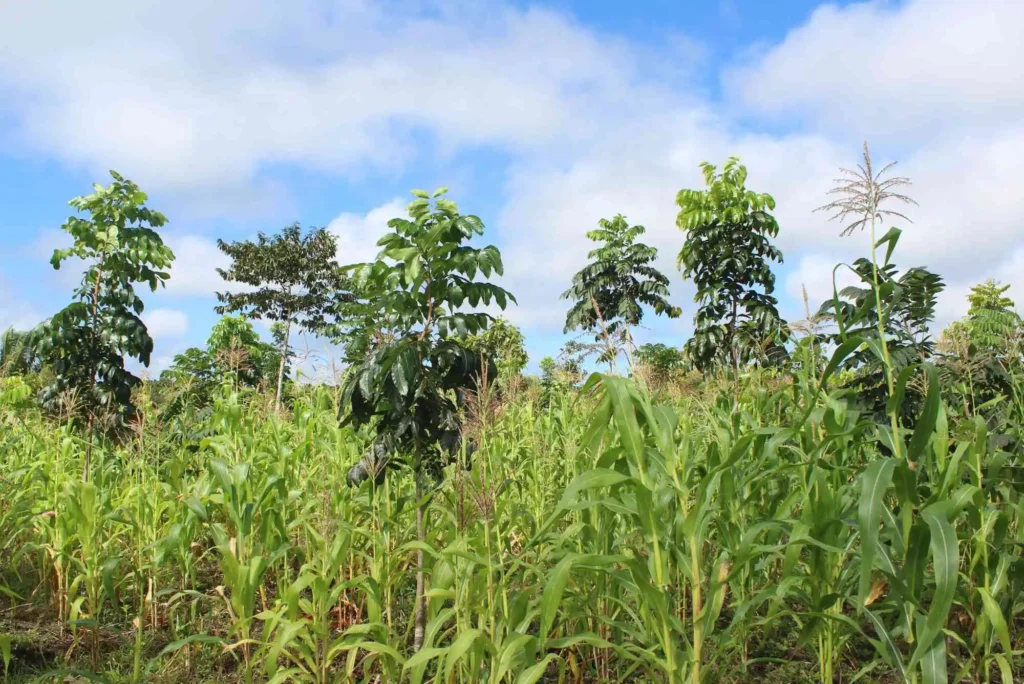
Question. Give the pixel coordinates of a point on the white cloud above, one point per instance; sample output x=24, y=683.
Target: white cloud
x=637, y=170
x=894, y=68
x=194, y=270
x=18, y=315
x=198, y=97
x=815, y=273
x=357, y=234
x=165, y=323
x=953, y=301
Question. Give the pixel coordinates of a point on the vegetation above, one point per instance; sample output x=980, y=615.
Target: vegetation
x=504, y=344
x=727, y=254
x=609, y=293
x=851, y=511
x=294, y=279
x=85, y=343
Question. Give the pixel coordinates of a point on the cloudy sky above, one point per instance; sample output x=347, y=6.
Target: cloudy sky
x=238, y=117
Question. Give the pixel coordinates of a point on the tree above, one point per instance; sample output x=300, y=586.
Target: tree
x=504, y=344
x=86, y=342
x=992, y=323
x=908, y=301
x=17, y=355
x=980, y=354
x=296, y=281
x=404, y=382
x=609, y=291
x=727, y=253
x=234, y=348
x=660, y=357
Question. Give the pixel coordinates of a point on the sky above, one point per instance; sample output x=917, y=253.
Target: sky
x=542, y=117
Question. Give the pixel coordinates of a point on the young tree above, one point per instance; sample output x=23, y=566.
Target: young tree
x=992, y=322
x=234, y=348
x=609, y=291
x=17, y=354
x=908, y=301
x=504, y=344
x=981, y=353
x=727, y=253
x=295, y=279
x=86, y=342
x=404, y=382
x=660, y=357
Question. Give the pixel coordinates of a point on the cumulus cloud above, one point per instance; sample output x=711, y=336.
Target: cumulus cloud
x=194, y=270
x=200, y=97
x=357, y=234
x=894, y=68
x=209, y=95
x=165, y=324
x=637, y=171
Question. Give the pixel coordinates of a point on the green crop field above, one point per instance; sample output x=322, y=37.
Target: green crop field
x=833, y=500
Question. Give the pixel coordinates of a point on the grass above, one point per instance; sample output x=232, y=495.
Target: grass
x=753, y=530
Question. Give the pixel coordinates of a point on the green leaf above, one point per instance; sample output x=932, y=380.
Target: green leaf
x=558, y=578
x=532, y=674
x=874, y=484
x=933, y=663
x=5, y=651
x=839, y=355
x=423, y=194
x=592, y=479
x=945, y=561
x=996, y=619
x=891, y=237
x=413, y=268
x=458, y=649
x=929, y=415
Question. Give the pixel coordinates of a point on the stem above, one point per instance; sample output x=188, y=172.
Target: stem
x=698, y=629
x=887, y=362
x=284, y=359
x=611, y=351
x=421, y=614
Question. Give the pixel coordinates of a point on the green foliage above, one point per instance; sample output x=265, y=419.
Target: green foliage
x=991, y=319
x=908, y=302
x=980, y=354
x=408, y=383
x=608, y=293
x=233, y=349
x=234, y=352
x=660, y=357
x=727, y=253
x=294, y=281
x=558, y=378
x=504, y=344
x=750, y=531
x=86, y=343
x=17, y=354
x=417, y=288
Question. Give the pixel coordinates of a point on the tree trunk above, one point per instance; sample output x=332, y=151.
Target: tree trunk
x=732, y=341
x=609, y=347
x=421, y=612
x=629, y=352
x=280, y=369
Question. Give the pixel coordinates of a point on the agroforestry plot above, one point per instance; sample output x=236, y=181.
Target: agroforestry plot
x=835, y=499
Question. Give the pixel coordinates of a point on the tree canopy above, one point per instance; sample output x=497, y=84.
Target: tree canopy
x=728, y=253
x=86, y=343
x=294, y=279
x=609, y=293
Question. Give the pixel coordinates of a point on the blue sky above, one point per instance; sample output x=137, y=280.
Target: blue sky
x=238, y=117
